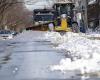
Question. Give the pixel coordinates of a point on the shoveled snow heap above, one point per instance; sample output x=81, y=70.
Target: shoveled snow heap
x=82, y=53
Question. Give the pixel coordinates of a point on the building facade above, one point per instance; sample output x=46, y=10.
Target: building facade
x=81, y=13
x=88, y=13
x=93, y=12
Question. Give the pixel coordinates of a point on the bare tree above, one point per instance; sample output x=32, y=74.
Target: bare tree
x=4, y=6
x=19, y=17
x=13, y=13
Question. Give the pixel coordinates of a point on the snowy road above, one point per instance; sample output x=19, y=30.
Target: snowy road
x=28, y=57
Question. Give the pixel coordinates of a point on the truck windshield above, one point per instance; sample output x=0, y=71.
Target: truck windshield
x=65, y=9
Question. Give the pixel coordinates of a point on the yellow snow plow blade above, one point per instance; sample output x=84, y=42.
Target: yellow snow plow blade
x=63, y=27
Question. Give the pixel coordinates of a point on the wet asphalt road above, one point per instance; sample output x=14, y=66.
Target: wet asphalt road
x=29, y=57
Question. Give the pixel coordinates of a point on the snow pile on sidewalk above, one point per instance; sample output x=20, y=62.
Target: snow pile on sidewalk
x=93, y=36
x=82, y=54
x=29, y=36
x=54, y=37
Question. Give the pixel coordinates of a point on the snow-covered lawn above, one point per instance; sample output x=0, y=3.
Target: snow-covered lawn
x=83, y=53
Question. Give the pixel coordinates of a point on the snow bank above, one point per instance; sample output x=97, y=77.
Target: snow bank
x=93, y=35
x=54, y=37
x=29, y=36
x=82, y=53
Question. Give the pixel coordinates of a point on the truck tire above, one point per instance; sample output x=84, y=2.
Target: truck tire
x=75, y=27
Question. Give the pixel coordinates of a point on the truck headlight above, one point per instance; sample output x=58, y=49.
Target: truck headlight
x=63, y=16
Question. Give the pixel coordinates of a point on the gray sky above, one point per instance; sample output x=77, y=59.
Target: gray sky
x=35, y=4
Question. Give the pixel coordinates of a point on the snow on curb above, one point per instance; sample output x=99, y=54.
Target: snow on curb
x=84, y=52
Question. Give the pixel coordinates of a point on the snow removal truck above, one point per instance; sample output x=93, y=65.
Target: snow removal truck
x=61, y=15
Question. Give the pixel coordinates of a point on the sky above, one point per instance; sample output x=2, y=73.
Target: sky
x=37, y=4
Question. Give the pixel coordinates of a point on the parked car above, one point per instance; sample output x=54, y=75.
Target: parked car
x=6, y=34
x=14, y=33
